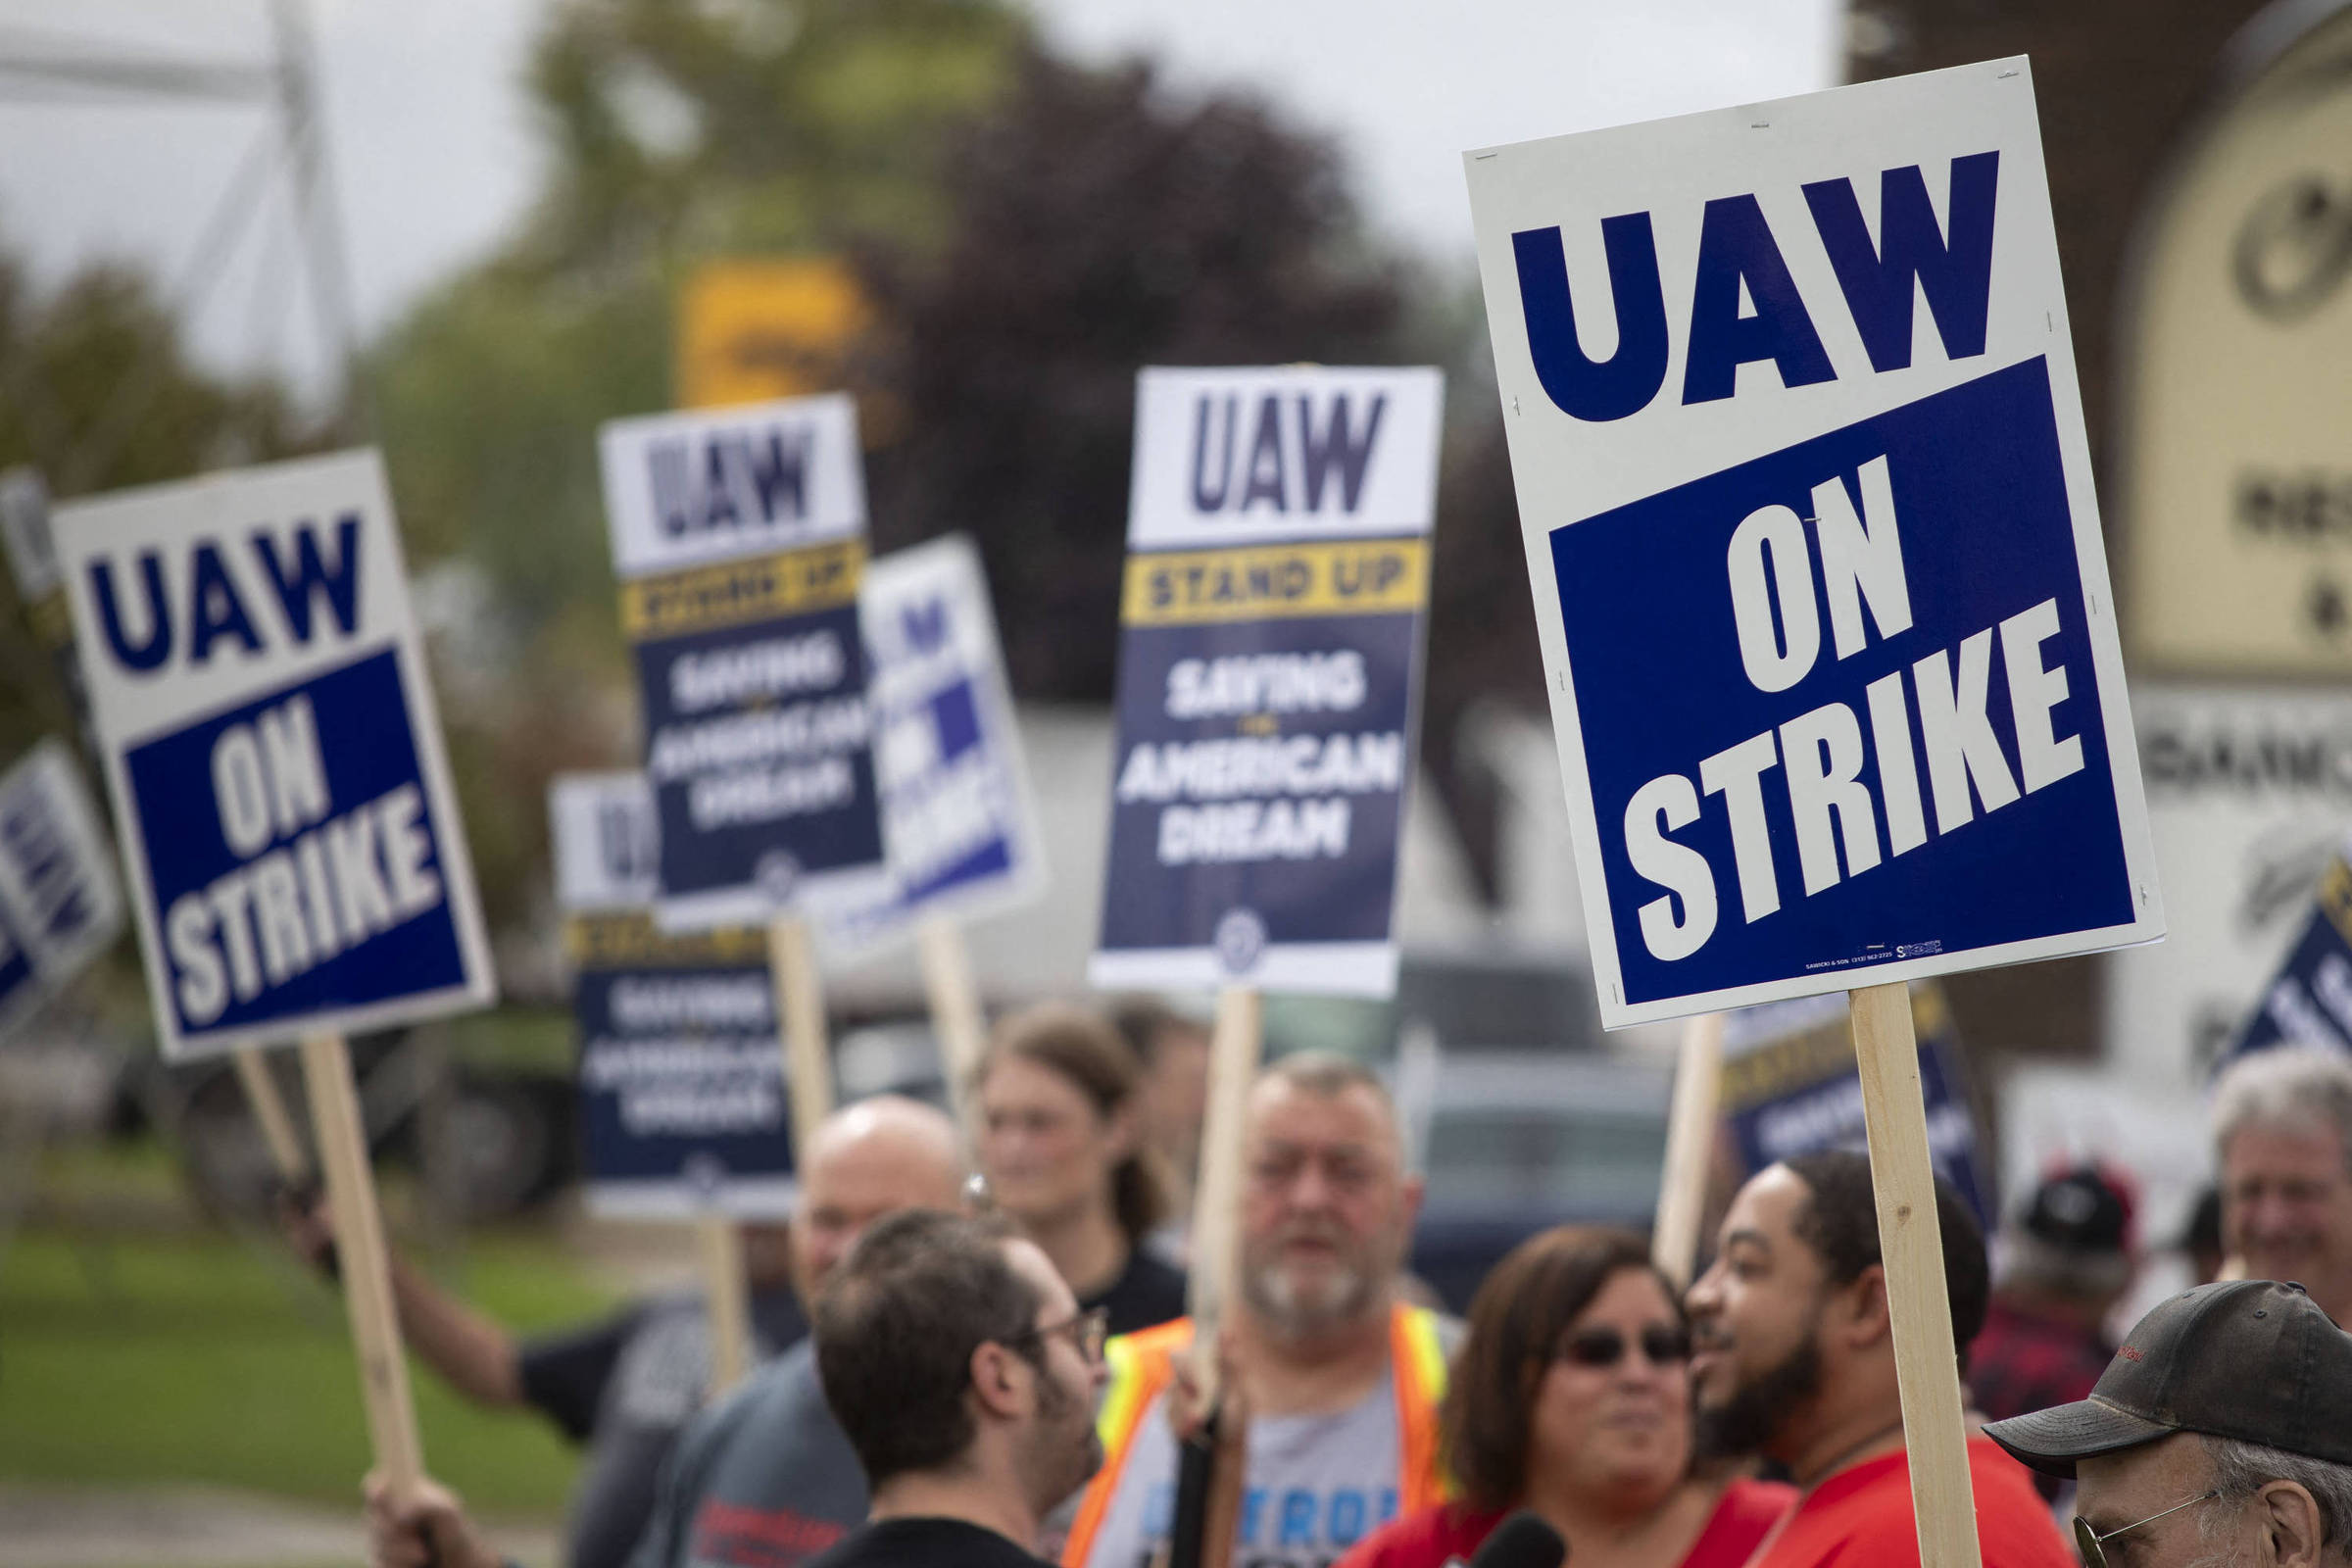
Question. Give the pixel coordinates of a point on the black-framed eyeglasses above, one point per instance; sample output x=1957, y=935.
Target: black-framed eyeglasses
x=1087, y=1330
x=2088, y=1541
x=1601, y=1348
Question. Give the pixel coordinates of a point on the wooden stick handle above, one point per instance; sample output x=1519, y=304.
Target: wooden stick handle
x=718, y=1246
x=957, y=1017
x=1689, y=1148
x=801, y=1005
x=1927, y=1367
x=269, y=1109
x=360, y=1250
x=1233, y=1057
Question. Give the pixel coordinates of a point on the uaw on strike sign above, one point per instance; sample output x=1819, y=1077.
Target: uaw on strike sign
x=739, y=536
x=956, y=815
x=1276, y=570
x=683, y=1104
x=1816, y=558
x=260, y=694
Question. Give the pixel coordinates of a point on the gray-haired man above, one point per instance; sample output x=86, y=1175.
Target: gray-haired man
x=2220, y=1433
x=2283, y=1137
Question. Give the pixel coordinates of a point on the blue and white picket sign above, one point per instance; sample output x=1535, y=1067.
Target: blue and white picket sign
x=290, y=833
x=1791, y=1087
x=58, y=906
x=1269, y=671
x=957, y=817
x=739, y=537
x=684, y=1110
x=2309, y=1001
x=1816, y=561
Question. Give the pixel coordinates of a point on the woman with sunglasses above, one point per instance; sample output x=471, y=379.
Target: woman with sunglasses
x=1571, y=1397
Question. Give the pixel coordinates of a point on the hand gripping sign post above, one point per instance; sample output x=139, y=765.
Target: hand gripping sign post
x=1819, y=584
x=296, y=864
x=739, y=536
x=682, y=1098
x=1270, y=648
x=59, y=906
x=958, y=816
x=24, y=534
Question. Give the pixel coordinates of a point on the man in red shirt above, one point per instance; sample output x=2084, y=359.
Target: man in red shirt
x=1796, y=1361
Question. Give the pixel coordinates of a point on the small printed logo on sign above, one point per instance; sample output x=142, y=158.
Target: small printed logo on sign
x=1240, y=940
x=777, y=874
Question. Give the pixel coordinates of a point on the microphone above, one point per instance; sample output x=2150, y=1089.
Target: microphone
x=1522, y=1541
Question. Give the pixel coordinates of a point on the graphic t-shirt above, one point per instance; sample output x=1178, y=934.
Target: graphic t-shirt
x=1451, y=1532
x=1861, y=1518
x=764, y=1479
x=1316, y=1484
x=625, y=1388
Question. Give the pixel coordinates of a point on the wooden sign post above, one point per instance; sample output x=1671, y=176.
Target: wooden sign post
x=270, y=1113
x=365, y=1270
x=1689, y=1148
x=1926, y=1364
x=958, y=1017
x=1210, y=1471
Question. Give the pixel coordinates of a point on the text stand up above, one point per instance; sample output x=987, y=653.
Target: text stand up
x=360, y=1250
x=1689, y=1148
x=1926, y=1364
x=956, y=1015
x=1209, y=1484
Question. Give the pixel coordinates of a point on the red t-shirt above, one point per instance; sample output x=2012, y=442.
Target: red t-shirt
x=1451, y=1532
x=1861, y=1518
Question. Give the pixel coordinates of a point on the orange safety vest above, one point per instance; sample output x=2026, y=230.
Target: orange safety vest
x=1144, y=1364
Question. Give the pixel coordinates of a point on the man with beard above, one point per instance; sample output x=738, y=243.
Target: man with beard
x=1796, y=1361
x=965, y=1374
x=1341, y=1379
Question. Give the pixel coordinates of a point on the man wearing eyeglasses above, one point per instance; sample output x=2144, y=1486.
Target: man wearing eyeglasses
x=1342, y=1378
x=965, y=1374
x=2220, y=1433
x=1796, y=1362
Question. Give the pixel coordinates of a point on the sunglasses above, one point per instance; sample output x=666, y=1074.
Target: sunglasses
x=1602, y=1349
x=2088, y=1541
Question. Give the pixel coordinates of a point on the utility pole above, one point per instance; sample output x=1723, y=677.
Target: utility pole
x=305, y=125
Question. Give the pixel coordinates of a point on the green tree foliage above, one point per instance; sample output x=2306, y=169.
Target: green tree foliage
x=1098, y=225
x=677, y=132
x=97, y=393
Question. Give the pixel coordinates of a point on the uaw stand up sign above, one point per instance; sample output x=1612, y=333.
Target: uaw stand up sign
x=682, y=1098
x=1276, y=570
x=292, y=842
x=739, y=536
x=1816, y=558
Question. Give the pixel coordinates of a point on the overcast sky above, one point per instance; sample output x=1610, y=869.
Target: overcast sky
x=434, y=153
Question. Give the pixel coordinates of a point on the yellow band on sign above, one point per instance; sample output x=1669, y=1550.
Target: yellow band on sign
x=1360, y=577
x=629, y=938
x=762, y=588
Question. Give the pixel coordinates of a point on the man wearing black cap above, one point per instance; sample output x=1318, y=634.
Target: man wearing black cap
x=2064, y=1262
x=2220, y=1433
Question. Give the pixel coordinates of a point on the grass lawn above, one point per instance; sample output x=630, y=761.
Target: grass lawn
x=129, y=1360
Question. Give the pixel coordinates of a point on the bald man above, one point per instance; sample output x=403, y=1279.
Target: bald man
x=767, y=1478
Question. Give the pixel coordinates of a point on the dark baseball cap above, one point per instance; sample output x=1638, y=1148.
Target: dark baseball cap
x=2251, y=1359
x=2080, y=1210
